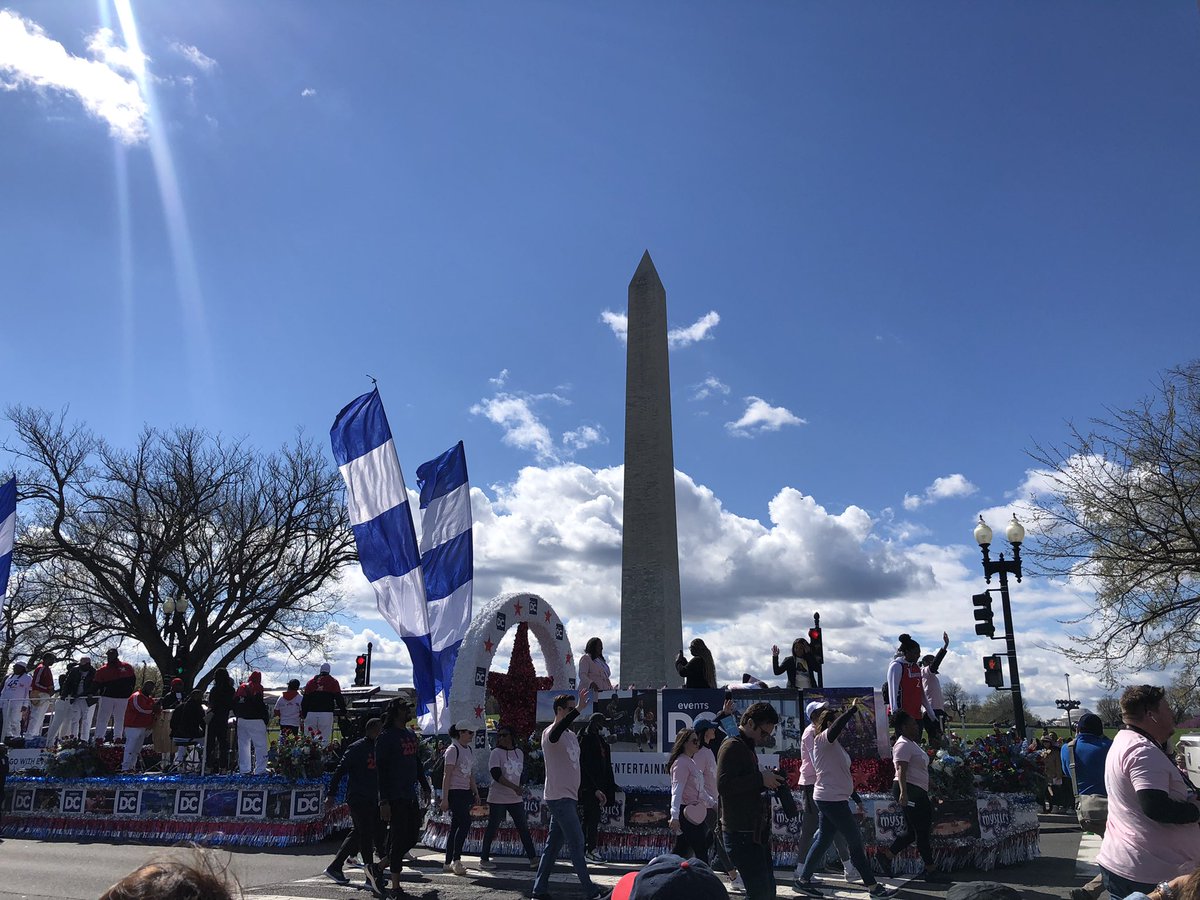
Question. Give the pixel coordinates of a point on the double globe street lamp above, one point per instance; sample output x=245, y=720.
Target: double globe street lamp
x=1015, y=532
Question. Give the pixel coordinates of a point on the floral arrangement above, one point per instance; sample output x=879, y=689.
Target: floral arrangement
x=299, y=756
x=516, y=691
x=79, y=759
x=950, y=776
x=535, y=761
x=872, y=775
x=1001, y=763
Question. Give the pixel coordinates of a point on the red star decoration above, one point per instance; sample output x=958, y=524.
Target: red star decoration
x=517, y=607
x=568, y=657
x=547, y=615
x=479, y=712
x=488, y=645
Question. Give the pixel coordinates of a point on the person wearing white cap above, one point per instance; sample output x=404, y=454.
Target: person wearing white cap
x=322, y=696
x=70, y=709
x=808, y=781
x=15, y=697
x=459, y=791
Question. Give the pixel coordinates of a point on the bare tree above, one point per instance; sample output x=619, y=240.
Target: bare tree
x=957, y=698
x=1121, y=515
x=38, y=618
x=250, y=541
x=1108, y=708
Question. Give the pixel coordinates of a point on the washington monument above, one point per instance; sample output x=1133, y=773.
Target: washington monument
x=651, y=620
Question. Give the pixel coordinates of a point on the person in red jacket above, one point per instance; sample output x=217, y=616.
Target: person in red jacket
x=140, y=710
x=114, y=682
x=41, y=692
x=322, y=695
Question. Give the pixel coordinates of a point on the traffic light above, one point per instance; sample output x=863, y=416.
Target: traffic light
x=993, y=674
x=984, y=614
x=360, y=670
x=814, y=642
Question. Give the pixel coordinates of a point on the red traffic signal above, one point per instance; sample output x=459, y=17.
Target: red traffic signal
x=360, y=670
x=993, y=671
x=360, y=660
x=814, y=641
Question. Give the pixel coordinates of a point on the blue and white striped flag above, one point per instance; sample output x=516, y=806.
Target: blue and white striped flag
x=384, y=533
x=448, y=561
x=8, y=532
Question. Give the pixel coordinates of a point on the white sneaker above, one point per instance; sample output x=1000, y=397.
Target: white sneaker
x=447, y=868
x=459, y=868
x=851, y=873
x=737, y=885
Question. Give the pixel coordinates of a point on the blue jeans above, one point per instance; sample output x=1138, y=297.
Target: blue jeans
x=753, y=862
x=1119, y=888
x=564, y=827
x=836, y=818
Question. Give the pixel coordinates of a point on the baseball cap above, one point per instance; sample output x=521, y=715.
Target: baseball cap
x=464, y=725
x=811, y=709
x=702, y=725
x=18, y=663
x=324, y=668
x=671, y=877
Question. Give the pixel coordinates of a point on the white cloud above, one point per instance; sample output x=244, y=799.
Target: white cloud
x=522, y=427
x=618, y=322
x=500, y=379
x=308, y=92
x=710, y=387
x=761, y=417
x=943, y=488
x=30, y=59
x=697, y=331
x=192, y=54
x=700, y=330
x=584, y=436
x=102, y=45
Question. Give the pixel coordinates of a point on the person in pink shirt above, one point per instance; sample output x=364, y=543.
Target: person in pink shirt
x=560, y=748
x=706, y=759
x=458, y=793
x=594, y=673
x=689, y=799
x=911, y=790
x=1151, y=834
x=834, y=789
x=506, y=796
x=808, y=783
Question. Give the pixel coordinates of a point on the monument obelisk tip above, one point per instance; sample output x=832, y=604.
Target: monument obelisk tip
x=646, y=268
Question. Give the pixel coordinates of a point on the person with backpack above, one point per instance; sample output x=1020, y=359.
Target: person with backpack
x=1084, y=758
x=250, y=708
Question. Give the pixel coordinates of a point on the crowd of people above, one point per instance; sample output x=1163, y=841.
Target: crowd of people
x=1128, y=789
x=90, y=703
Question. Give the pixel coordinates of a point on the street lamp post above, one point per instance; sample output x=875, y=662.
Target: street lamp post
x=1070, y=706
x=1015, y=532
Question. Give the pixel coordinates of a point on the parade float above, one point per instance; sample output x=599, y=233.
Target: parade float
x=75, y=792
x=985, y=811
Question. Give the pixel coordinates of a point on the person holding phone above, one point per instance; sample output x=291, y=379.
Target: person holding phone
x=911, y=790
x=700, y=671
x=832, y=793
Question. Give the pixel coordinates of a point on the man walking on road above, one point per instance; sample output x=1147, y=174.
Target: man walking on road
x=560, y=748
x=362, y=795
x=745, y=803
x=398, y=760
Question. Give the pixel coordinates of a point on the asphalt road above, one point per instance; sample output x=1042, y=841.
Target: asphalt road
x=82, y=871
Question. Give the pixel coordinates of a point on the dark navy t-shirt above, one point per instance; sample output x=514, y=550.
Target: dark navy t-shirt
x=398, y=760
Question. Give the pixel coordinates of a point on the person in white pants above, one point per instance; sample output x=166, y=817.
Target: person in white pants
x=41, y=694
x=70, y=708
x=251, y=710
x=15, y=697
x=322, y=697
x=139, y=718
x=114, y=682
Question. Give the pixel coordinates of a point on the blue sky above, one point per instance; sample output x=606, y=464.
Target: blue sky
x=929, y=235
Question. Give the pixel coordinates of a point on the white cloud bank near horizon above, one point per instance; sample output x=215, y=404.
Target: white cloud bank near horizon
x=556, y=531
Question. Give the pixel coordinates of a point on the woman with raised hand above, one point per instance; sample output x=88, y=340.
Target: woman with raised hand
x=911, y=790
x=833, y=792
x=700, y=671
x=798, y=666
